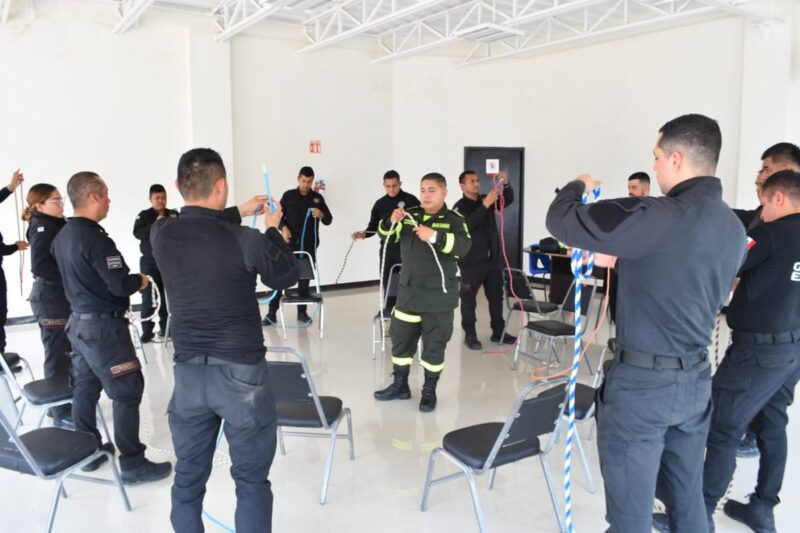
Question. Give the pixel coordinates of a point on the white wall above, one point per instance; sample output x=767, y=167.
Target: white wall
x=73, y=96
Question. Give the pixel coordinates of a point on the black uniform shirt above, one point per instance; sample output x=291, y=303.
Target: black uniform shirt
x=5, y=249
x=209, y=263
x=41, y=232
x=295, y=206
x=767, y=299
x=678, y=256
x=96, y=278
x=750, y=218
x=141, y=228
x=483, y=227
x=383, y=208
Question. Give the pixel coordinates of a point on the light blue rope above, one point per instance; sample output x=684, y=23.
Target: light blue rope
x=582, y=274
x=206, y=514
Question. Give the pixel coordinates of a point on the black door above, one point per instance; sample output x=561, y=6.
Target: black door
x=512, y=161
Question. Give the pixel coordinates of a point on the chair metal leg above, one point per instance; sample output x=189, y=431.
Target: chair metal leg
x=27, y=366
x=516, y=353
x=491, y=478
x=18, y=421
x=54, y=505
x=283, y=320
x=505, y=326
x=41, y=417
x=553, y=499
x=103, y=424
x=117, y=478
x=584, y=463
x=166, y=330
x=321, y=318
x=426, y=490
x=280, y=441
x=137, y=342
x=350, y=432
x=10, y=396
x=329, y=465
x=591, y=430
x=473, y=491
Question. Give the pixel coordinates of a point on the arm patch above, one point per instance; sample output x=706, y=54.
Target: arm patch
x=609, y=214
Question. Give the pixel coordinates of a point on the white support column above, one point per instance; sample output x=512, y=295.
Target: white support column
x=766, y=84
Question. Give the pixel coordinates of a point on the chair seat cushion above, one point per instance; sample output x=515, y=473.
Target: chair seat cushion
x=530, y=306
x=48, y=390
x=304, y=415
x=472, y=445
x=293, y=296
x=53, y=449
x=584, y=398
x=552, y=328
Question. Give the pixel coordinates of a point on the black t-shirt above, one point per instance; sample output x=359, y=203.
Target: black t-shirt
x=767, y=299
x=41, y=232
x=295, y=208
x=383, y=208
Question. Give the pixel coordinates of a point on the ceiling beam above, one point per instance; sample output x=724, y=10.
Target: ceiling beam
x=130, y=11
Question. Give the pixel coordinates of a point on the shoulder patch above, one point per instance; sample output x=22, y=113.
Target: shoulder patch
x=40, y=229
x=114, y=262
x=608, y=214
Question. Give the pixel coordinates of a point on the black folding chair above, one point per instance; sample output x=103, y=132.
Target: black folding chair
x=520, y=297
x=308, y=270
x=475, y=450
x=54, y=453
x=299, y=406
x=16, y=364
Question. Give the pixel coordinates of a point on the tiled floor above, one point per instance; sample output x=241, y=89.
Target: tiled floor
x=380, y=491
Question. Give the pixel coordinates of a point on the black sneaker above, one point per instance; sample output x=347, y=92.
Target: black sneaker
x=270, y=320
x=304, y=319
x=148, y=472
x=146, y=337
x=507, y=339
x=748, y=448
x=94, y=465
x=755, y=514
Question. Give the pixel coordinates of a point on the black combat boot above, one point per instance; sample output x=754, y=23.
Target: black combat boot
x=398, y=390
x=428, y=401
x=756, y=514
x=471, y=339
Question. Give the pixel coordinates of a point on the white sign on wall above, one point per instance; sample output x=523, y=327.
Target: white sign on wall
x=492, y=167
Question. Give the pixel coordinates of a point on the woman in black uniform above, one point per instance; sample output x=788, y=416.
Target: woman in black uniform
x=45, y=213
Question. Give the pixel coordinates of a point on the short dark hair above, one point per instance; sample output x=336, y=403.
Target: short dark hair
x=786, y=181
x=81, y=185
x=434, y=176
x=391, y=175
x=641, y=176
x=463, y=175
x=697, y=137
x=783, y=153
x=198, y=171
x=307, y=172
x=157, y=188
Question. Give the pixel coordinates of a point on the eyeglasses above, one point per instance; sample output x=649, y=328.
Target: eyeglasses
x=58, y=200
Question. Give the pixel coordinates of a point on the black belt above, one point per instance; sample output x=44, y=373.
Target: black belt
x=46, y=282
x=95, y=316
x=206, y=360
x=659, y=362
x=787, y=337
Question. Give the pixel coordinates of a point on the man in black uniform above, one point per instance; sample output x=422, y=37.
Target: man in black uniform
x=220, y=371
x=654, y=409
x=303, y=209
x=98, y=285
x=757, y=377
x=483, y=265
x=141, y=230
x=395, y=197
x=639, y=184
x=423, y=307
x=781, y=156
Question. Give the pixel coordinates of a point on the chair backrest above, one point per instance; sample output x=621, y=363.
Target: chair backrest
x=13, y=453
x=538, y=263
x=393, y=285
x=587, y=300
x=532, y=417
x=307, y=267
x=291, y=382
x=9, y=372
x=518, y=280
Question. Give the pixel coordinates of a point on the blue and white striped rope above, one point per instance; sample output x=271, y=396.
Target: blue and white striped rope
x=271, y=204
x=582, y=273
